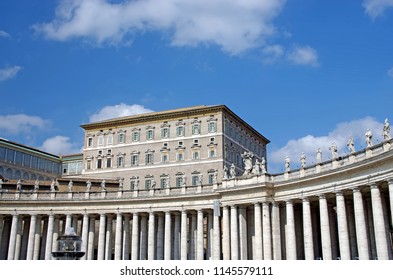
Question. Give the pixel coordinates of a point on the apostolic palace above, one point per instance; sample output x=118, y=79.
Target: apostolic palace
x=193, y=184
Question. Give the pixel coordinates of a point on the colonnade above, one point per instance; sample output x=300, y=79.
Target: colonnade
x=350, y=223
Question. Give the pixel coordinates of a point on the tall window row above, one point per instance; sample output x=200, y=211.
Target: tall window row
x=29, y=161
x=149, y=133
x=180, y=180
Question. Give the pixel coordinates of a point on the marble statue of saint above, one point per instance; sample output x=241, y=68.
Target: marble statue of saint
x=232, y=171
x=53, y=186
x=153, y=183
x=167, y=184
x=225, y=173
x=103, y=185
x=319, y=155
x=369, y=137
x=200, y=179
x=183, y=180
x=88, y=186
x=70, y=186
x=263, y=165
x=256, y=170
x=36, y=185
x=287, y=164
x=121, y=183
x=303, y=160
x=386, y=130
x=351, y=145
x=247, y=160
x=215, y=175
x=19, y=185
x=334, y=150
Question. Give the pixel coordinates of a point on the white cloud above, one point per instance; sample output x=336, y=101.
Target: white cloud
x=4, y=34
x=120, y=110
x=375, y=8
x=9, y=72
x=272, y=53
x=60, y=145
x=235, y=26
x=21, y=123
x=303, y=55
x=309, y=144
x=390, y=72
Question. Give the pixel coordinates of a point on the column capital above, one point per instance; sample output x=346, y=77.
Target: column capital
x=339, y=193
x=322, y=196
x=289, y=201
x=390, y=181
x=373, y=186
x=306, y=199
x=356, y=190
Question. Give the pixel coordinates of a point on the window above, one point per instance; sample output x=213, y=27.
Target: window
x=122, y=138
x=164, y=181
x=180, y=180
x=165, y=132
x=196, y=142
x=196, y=129
x=212, y=177
x=148, y=183
x=120, y=161
x=135, y=136
x=212, y=153
x=149, y=158
x=150, y=134
x=108, y=163
x=88, y=164
x=164, y=157
x=109, y=140
x=180, y=156
x=212, y=127
x=195, y=179
x=90, y=142
x=195, y=155
x=99, y=163
x=180, y=131
x=134, y=159
x=101, y=140
x=134, y=183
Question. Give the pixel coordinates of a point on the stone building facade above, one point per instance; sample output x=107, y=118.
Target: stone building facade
x=336, y=209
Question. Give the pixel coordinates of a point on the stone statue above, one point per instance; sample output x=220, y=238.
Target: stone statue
x=351, y=145
x=319, y=155
x=121, y=184
x=232, y=171
x=287, y=164
x=53, y=186
x=36, y=185
x=333, y=149
x=256, y=170
x=225, y=173
x=200, y=179
x=183, y=180
x=215, y=175
x=386, y=130
x=153, y=183
x=70, y=186
x=167, y=183
x=103, y=185
x=263, y=165
x=247, y=160
x=19, y=185
x=369, y=137
x=88, y=186
x=303, y=160
x=1, y=184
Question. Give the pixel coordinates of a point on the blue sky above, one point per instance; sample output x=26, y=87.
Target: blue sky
x=305, y=73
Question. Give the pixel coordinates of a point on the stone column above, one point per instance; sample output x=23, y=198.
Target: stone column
x=152, y=241
x=168, y=236
x=49, y=238
x=18, y=242
x=101, y=238
x=160, y=237
x=226, y=248
x=143, y=241
x=1, y=232
x=176, y=241
x=12, y=242
x=30, y=246
x=379, y=223
x=258, y=231
x=119, y=236
x=108, y=237
x=193, y=226
x=126, y=237
x=68, y=223
x=390, y=184
x=307, y=230
x=325, y=228
x=216, y=237
x=243, y=233
x=37, y=239
x=290, y=232
x=183, y=253
x=267, y=240
x=360, y=223
x=135, y=237
x=276, y=231
x=56, y=229
x=234, y=234
x=90, y=246
x=85, y=234
x=200, y=238
x=5, y=240
x=342, y=224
